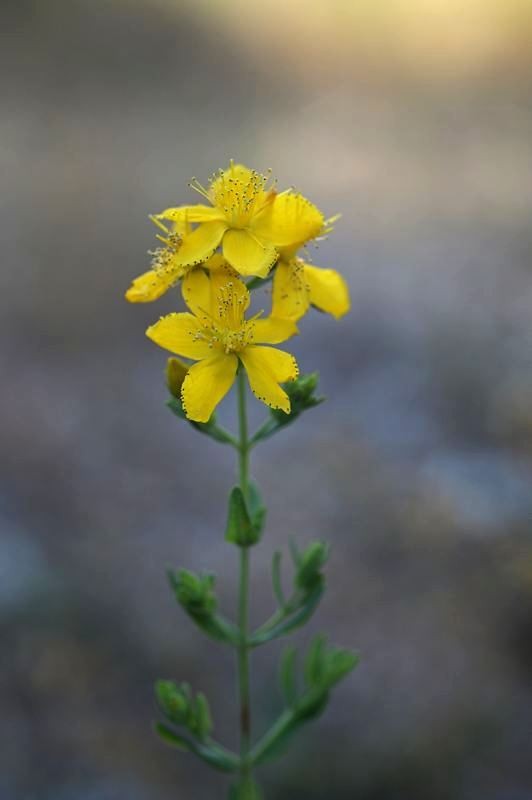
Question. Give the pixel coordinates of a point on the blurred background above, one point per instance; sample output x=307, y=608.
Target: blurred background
x=414, y=119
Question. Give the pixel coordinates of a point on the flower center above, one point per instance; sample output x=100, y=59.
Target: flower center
x=226, y=329
x=238, y=192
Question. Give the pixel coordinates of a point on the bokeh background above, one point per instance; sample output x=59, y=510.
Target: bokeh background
x=414, y=119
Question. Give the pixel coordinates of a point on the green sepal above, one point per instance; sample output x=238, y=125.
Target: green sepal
x=210, y=428
x=245, y=520
x=212, y=753
x=302, y=397
x=195, y=594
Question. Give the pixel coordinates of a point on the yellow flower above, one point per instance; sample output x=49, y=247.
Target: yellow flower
x=165, y=270
x=297, y=286
x=218, y=337
x=247, y=218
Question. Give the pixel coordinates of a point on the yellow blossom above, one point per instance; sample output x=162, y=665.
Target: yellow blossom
x=217, y=336
x=298, y=285
x=247, y=218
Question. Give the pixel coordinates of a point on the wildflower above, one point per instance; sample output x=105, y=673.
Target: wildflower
x=247, y=218
x=298, y=285
x=165, y=269
x=219, y=338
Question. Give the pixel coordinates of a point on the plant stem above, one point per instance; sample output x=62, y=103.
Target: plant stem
x=243, y=602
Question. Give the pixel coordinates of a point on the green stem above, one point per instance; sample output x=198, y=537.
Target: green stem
x=270, y=738
x=243, y=602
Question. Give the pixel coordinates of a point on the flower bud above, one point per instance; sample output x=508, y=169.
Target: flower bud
x=172, y=701
x=175, y=372
x=195, y=593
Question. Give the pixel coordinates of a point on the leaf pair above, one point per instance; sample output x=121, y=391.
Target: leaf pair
x=308, y=587
x=323, y=668
x=245, y=517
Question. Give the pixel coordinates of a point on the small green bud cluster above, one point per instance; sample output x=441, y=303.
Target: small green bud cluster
x=309, y=564
x=302, y=394
x=181, y=708
x=302, y=397
x=195, y=592
x=196, y=595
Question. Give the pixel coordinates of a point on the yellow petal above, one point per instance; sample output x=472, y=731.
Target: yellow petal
x=217, y=261
x=247, y=255
x=183, y=215
x=181, y=334
x=290, y=291
x=273, y=330
x=206, y=383
x=291, y=219
x=328, y=290
x=200, y=244
x=267, y=367
x=196, y=289
x=150, y=286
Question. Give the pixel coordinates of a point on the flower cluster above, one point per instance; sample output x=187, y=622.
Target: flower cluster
x=247, y=230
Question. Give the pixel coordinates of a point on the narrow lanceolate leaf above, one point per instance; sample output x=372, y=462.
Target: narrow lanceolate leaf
x=315, y=662
x=290, y=622
x=212, y=753
x=277, y=580
x=288, y=676
x=256, y=508
x=203, y=716
x=171, y=738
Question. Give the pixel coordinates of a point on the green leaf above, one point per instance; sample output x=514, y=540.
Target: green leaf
x=203, y=716
x=315, y=662
x=195, y=594
x=309, y=566
x=276, y=579
x=168, y=736
x=289, y=622
x=256, y=508
x=240, y=529
x=339, y=664
x=288, y=675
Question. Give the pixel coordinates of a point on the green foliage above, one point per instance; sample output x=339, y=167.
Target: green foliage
x=195, y=594
x=324, y=667
x=308, y=588
x=184, y=709
x=245, y=518
x=302, y=394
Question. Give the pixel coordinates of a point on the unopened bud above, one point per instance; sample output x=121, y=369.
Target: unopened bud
x=176, y=372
